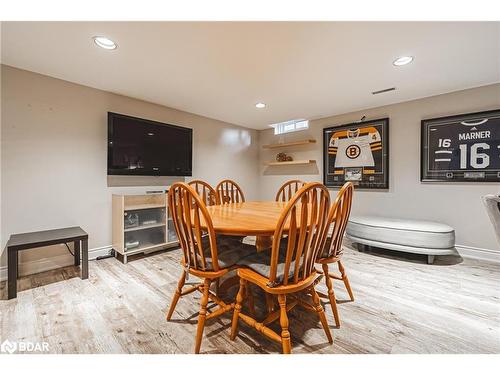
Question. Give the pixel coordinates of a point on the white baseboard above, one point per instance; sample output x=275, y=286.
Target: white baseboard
x=50, y=263
x=478, y=253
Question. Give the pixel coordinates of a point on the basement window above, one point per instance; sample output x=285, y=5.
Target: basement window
x=290, y=126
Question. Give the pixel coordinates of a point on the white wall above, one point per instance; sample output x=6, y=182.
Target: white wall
x=457, y=204
x=54, y=152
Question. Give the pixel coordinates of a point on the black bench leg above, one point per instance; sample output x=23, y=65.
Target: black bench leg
x=85, y=259
x=77, y=252
x=12, y=273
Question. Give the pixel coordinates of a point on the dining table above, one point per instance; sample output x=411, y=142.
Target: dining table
x=251, y=218
x=243, y=219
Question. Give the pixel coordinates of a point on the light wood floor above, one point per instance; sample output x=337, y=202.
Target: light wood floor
x=402, y=306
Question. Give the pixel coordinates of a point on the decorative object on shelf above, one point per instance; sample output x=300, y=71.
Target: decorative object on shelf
x=357, y=152
x=131, y=243
x=281, y=157
x=461, y=148
x=131, y=220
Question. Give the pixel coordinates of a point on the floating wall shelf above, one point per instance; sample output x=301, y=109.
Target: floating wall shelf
x=290, y=144
x=294, y=162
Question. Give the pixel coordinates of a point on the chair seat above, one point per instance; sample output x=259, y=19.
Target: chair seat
x=230, y=251
x=260, y=263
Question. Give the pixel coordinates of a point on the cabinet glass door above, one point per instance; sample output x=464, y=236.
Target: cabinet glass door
x=171, y=235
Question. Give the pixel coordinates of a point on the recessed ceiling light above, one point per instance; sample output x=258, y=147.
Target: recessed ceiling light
x=104, y=42
x=403, y=60
x=260, y=105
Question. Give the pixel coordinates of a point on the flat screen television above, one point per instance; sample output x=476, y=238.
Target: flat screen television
x=148, y=148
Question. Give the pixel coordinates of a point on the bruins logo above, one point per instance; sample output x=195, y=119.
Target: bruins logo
x=353, y=151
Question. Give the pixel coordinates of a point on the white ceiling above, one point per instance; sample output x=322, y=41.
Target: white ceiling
x=299, y=69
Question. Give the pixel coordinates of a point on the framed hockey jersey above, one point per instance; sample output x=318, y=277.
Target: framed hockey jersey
x=357, y=152
x=461, y=148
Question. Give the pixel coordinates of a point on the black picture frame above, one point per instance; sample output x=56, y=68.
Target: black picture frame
x=376, y=176
x=447, y=172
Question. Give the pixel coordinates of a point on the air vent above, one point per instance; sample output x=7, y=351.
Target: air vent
x=384, y=90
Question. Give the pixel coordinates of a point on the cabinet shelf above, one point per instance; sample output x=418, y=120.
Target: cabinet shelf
x=290, y=144
x=142, y=227
x=294, y=162
x=145, y=206
x=145, y=247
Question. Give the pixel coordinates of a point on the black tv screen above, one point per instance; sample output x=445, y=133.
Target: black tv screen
x=148, y=148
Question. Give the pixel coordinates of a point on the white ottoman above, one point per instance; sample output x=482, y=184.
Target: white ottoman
x=412, y=236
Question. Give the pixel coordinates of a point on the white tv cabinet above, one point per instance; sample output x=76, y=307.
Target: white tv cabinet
x=141, y=224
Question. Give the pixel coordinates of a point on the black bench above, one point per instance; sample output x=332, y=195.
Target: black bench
x=25, y=241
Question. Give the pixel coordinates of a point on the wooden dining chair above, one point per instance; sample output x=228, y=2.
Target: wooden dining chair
x=288, y=190
x=207, y=193
x=337, y=222
x=288, y=269
x=210, y=197
x=229, y=192
x=201, y=255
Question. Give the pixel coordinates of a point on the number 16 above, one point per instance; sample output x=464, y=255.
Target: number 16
x=477, y=159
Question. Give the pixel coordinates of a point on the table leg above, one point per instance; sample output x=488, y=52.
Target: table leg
x=12, y=273
x=85, y=258
x=76, y=250
x=263, y=242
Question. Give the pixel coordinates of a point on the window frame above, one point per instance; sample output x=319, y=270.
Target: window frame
x=296, y=125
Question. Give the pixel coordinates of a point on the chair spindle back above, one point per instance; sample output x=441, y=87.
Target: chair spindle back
x=288, y=190
x=229, y=192
x=338, y=219
x=304, y=223
x=206, y=192
x=188, y=213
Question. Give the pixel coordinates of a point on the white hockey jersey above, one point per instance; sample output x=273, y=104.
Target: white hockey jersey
x=354, y=148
